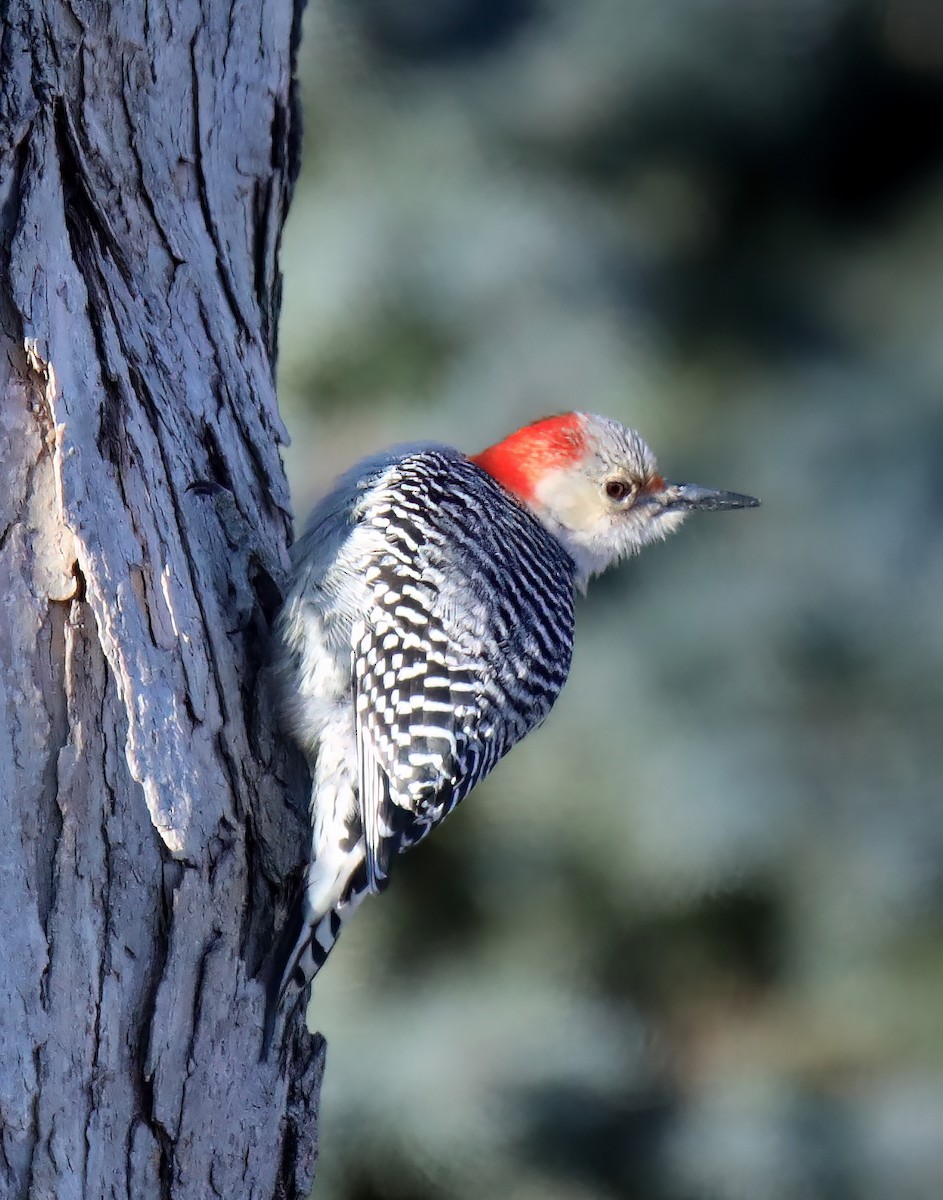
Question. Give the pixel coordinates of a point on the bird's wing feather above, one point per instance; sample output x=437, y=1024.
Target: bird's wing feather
x=374, y=780
x=450, y=669
x=412, y=730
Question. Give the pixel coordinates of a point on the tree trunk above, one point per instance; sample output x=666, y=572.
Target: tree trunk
x=147, y=154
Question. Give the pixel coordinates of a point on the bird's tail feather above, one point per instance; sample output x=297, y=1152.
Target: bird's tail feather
x=309, y=935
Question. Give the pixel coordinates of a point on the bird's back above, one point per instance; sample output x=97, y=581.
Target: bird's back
x=470, y=628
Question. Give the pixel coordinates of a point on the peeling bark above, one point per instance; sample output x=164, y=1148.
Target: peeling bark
x=147, y=155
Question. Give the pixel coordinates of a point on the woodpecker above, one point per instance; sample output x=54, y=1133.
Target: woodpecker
x=428, y=626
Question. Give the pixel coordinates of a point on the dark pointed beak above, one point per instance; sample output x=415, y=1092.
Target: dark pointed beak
x=691, y=497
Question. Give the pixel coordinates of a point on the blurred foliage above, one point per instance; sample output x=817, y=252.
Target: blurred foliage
x=686, y=942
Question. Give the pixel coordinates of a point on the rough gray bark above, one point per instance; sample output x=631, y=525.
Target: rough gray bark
x=147, y=152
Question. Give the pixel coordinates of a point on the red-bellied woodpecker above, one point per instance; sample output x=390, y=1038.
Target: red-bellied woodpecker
x=428, y=627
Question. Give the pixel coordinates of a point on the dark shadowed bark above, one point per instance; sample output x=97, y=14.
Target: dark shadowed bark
x=147, y=152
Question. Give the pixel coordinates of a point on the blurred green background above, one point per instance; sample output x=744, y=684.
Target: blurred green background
x=686, y=942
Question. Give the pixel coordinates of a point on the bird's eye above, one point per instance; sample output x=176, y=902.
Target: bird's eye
x=618, y=490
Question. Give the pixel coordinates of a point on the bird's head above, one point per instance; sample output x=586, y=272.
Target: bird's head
x=595, y=485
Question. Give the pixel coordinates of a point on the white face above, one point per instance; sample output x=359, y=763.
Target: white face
x=611, y=504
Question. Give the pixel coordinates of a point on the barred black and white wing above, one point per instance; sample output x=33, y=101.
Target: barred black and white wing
x=463, y=647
